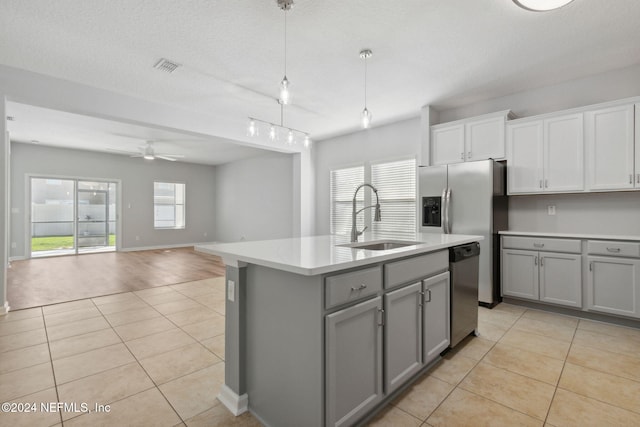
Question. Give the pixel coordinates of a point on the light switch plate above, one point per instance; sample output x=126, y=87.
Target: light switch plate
x=231, y=290
x=551, y=209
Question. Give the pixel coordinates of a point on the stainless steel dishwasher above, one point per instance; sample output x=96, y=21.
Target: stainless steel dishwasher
x=463, y=265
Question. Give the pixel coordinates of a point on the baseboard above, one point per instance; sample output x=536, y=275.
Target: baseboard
x=234, y=403
x=17, y=258
x=153, y=248
x=5, y=308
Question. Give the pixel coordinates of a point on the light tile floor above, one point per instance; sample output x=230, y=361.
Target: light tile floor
x=156, y=357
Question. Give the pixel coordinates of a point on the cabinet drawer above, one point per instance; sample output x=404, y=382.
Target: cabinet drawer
x=352, y=286
x=541, y=244
x=611, y=248
x=411, y=269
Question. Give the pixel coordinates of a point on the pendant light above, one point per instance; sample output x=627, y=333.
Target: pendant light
x=285, y=94
x=541, y=5
x=366, y=114
x=277, y=131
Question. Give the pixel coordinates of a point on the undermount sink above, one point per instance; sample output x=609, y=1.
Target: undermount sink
x=380, y=245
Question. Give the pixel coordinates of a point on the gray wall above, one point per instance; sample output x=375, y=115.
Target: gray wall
x=254, y=198
x=136, y=176
x=393, y=141
x=595, y=213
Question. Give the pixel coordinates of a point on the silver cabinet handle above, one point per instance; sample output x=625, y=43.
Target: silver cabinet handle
x=541, y=261
x=546, y=183
x=420, y=300
x=591, y=266
x=638, y=178
x=429, y=292
x=535, y=260
x=614, y=250
x=381, y=322
x=540, y=183
x=462, y=156
x=538, y=245
x=630, y=179
x=469, y=155
x=359, y=288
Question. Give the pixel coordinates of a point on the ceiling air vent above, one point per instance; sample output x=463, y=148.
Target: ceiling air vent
x=166, y=66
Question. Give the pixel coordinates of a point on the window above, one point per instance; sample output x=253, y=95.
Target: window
x=168, y=205
x=343, y=182
x=396, y=184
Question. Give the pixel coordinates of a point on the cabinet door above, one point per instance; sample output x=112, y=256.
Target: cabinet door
x=614, y=285
x=353, y=362
x=610, y=148
x=524, y=157
x=520, y=274
x=484, y=139
x=436, y=316
x=564, y=153
x=447, y=145
x=403, y=335
x=561, y=278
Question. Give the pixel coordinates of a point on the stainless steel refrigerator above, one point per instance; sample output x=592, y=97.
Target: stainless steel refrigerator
x=468, y=198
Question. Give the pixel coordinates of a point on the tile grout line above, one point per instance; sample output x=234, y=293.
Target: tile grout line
x=53, y=370
x=564, y=363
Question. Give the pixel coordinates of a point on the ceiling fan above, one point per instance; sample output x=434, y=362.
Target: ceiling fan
x=147, y=152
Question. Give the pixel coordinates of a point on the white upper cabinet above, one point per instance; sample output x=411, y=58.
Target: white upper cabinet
x=564, y=153
x=478, y=138
x=610, y=149
x=525, y=157
x=546, y=155
x=447, y=144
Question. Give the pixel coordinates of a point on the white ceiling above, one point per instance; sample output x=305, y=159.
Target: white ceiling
x=443, y=53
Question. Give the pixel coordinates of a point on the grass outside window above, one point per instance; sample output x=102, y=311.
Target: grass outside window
x=52, y=243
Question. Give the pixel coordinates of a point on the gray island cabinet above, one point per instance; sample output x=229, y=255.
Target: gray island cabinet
x=319, y=334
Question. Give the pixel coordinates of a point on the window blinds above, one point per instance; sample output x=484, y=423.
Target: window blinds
x=396, y=184
x=343, y=183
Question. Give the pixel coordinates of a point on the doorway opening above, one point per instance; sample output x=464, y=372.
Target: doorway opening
x=72, y=216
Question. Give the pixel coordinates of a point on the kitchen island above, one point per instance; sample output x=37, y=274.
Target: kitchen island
x=321, y=333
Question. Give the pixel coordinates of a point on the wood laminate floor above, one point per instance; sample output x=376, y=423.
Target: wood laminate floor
x=43, y=281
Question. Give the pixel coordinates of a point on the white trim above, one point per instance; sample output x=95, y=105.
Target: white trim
x=17, y=258
x=5, y=308
x=234, y=403
x=233, y=262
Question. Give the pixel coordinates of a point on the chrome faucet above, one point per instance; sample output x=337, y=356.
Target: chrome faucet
x=376, y=217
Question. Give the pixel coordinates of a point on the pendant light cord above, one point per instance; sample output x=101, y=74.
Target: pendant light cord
x=365, y=82
x=285, y=42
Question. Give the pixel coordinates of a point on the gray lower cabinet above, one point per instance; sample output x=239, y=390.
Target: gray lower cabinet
x=353, y=362
x=542, y=276
x=403, y=335
x=436, y=316
x=613, y=285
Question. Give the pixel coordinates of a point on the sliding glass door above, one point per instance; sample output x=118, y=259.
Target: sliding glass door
x=71, y=216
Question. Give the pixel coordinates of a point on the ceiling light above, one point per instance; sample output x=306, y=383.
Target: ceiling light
x=285, y=94
x=541, y=5
x=366, y=114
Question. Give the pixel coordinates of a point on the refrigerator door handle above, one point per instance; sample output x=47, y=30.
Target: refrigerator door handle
x=447, y=229
x=444, y=213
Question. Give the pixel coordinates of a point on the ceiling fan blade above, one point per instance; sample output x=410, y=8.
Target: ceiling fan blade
x=121, y=151
x=177, y=156
x=171, y=159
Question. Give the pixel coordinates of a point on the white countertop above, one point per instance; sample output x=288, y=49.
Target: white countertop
x=314, y=255
x=570, y=235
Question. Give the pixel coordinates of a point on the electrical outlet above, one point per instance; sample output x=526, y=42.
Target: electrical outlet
x=551, y=209
x=231, y=290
